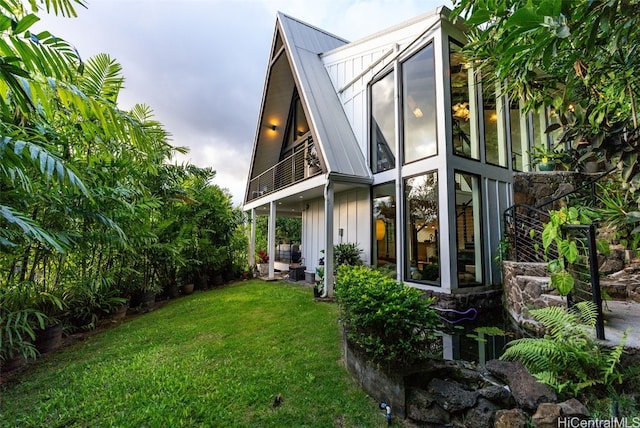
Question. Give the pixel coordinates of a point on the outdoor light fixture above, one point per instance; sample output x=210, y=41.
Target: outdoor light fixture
x=273, y=127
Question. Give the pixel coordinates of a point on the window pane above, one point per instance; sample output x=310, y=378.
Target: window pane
x=463, y=144
x=468, y=229
x=302, y=127
x=419, y=100
x=422, y=250
x=383, y=125
x=495, y=147
x=384, y=227
x=518, y=143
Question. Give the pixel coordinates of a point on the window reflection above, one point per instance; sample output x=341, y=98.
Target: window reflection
x=418, y=77
x=461, y=118
x=422, y=249
x=518, y=143
x=468, y=229
x=383, y=125
x=495, y=147
x=384, y=228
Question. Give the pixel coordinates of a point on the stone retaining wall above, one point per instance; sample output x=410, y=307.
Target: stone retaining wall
x=451, y=393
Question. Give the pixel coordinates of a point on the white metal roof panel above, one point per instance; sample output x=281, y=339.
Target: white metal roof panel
x=335, y=137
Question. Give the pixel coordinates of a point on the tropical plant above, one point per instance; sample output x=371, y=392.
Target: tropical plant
x=568, y=248
x=567, y=358
x=577, y=57
x=347, y=254
x=619, y=213
x=17, y=325
x=319, y=283
x=541, y=154
x=88, y=301
x=263, y=257
x=387, y=320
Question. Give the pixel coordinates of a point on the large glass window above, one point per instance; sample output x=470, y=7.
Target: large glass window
x=461, y=119
x=494, y=144
x=422, y=230
x=419, y=105
x=517, y=131
x=384, y=227
x=468, y=229
x=383, y=124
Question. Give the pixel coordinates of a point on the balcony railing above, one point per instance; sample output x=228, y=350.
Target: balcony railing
x=302, y=164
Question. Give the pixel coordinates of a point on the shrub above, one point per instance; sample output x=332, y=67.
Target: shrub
x=263, y=257
x=388, y=321
x=347, y=254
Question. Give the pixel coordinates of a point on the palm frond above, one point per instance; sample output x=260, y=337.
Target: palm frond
x=102, y=78
x=30, y=228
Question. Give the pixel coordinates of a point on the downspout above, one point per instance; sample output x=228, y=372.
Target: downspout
x=328, y=249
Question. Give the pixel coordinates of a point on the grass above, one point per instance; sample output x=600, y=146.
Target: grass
x=214, y=359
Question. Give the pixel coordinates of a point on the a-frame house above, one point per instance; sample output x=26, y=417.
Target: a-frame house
x=391, y=142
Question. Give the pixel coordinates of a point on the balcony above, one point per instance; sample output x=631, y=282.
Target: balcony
x=299, y=166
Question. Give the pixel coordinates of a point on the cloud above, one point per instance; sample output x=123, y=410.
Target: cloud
x=200, y=64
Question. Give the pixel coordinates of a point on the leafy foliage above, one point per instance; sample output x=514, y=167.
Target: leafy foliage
x=347, y=254
x=389, y=321
x=578, y=57
x=568, y=247
x=567, y=358
x=91, y=209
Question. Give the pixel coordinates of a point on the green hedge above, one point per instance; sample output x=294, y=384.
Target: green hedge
x=389, y=321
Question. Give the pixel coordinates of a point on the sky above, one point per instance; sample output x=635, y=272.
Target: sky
x=200, y=65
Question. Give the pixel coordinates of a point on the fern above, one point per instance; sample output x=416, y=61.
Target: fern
x=567, y=358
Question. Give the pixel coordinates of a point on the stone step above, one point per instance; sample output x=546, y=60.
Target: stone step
x=527, y=268
x=534, y=285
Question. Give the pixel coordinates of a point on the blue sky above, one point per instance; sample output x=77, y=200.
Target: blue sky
x=200, y=64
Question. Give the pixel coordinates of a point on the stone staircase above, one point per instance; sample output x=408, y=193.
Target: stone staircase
x=526, y=287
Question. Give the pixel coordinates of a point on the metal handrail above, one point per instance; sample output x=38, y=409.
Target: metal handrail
x=292, y=169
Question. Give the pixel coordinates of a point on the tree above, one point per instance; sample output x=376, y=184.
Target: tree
x=580, y=57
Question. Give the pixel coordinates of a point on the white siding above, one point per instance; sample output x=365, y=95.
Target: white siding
x=351, y=214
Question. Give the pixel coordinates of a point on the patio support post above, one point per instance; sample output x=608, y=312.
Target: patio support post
x=272, y=238
x=252, y=240
x=328, y=249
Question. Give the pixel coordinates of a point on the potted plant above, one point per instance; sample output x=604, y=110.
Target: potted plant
x=547, y=158
x=263, y=262
x=18, y=326
x=312, y=159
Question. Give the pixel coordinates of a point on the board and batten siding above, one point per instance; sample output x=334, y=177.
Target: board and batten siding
x=352, y=214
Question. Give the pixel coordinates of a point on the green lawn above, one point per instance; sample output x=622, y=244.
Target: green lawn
x=212, y=359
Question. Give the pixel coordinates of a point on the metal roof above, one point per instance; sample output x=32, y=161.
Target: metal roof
x=304, y=44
